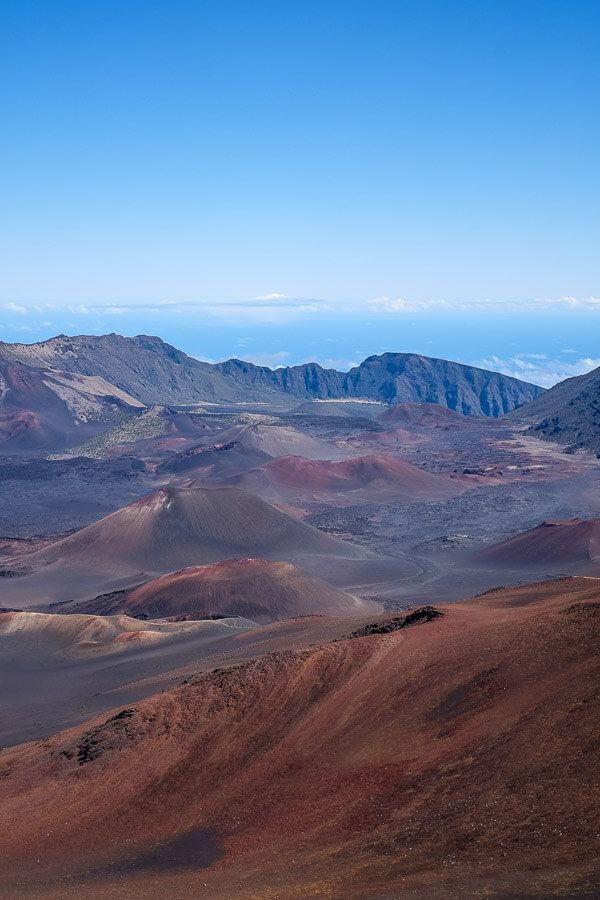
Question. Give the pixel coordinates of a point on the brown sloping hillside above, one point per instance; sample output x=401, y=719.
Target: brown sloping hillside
x=256, y=589
x=568, y=413
x=143, y=366
x=52, y=410
x=168, y=530
x=455, y=758
x=158, y=429
x=213, y=461
x=553, y=594
x=422, y=415
x=373, y=474
x=550, y=544
x=55, y=672
x=280, y=440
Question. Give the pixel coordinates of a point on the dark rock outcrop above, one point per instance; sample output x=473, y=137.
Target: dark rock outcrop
x=568, y=413
x=394, y=378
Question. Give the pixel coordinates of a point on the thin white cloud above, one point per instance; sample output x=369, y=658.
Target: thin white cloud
x=538, y=368
x=578, y=302
x=383, y=304
x=399, y=304
x=342, y=365
x=274, y=296
x=272, y=360
x=387, y=304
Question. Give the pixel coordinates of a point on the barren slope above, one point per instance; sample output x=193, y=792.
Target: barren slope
x=213, y=461
x=58, y=670
x=168, y=530
x=256, y=589
x=279, y=440
x=568, y=413
x=550, y=544
x=365, y=477
x=453, y=758
x=144, y=366
x=52, y=410
x=422, y=415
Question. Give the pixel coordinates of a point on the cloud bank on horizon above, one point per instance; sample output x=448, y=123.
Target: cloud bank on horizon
x=257, y=306
x=542, y=340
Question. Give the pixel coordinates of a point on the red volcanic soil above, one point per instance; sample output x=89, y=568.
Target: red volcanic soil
x=177, y=525
x=376, y=472
x=217, y=460
x=456, y=758
x=23, y=430
x=170, y=529
x=279, y=440
x=256, y=589
x=422, y=415
x=549, y=544
x=33, y=416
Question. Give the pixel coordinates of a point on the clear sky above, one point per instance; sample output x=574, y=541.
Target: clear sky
x=293, y=180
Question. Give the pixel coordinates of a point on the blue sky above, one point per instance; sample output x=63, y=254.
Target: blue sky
x=319, y=180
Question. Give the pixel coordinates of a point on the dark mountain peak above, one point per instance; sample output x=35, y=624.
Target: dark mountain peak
x=409, y=377
x=568, y=413
x=151, y=371
x=392, y=356
x=144, y=366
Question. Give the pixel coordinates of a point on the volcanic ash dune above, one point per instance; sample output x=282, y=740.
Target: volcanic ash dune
x=280, y=440
x=168, y=530
x=372, y=475
x=216, y=461
x=43, y=636
x=422, y=415
x=451, y=758
x=550, y=544
x=343, y=409
x=256, y=589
